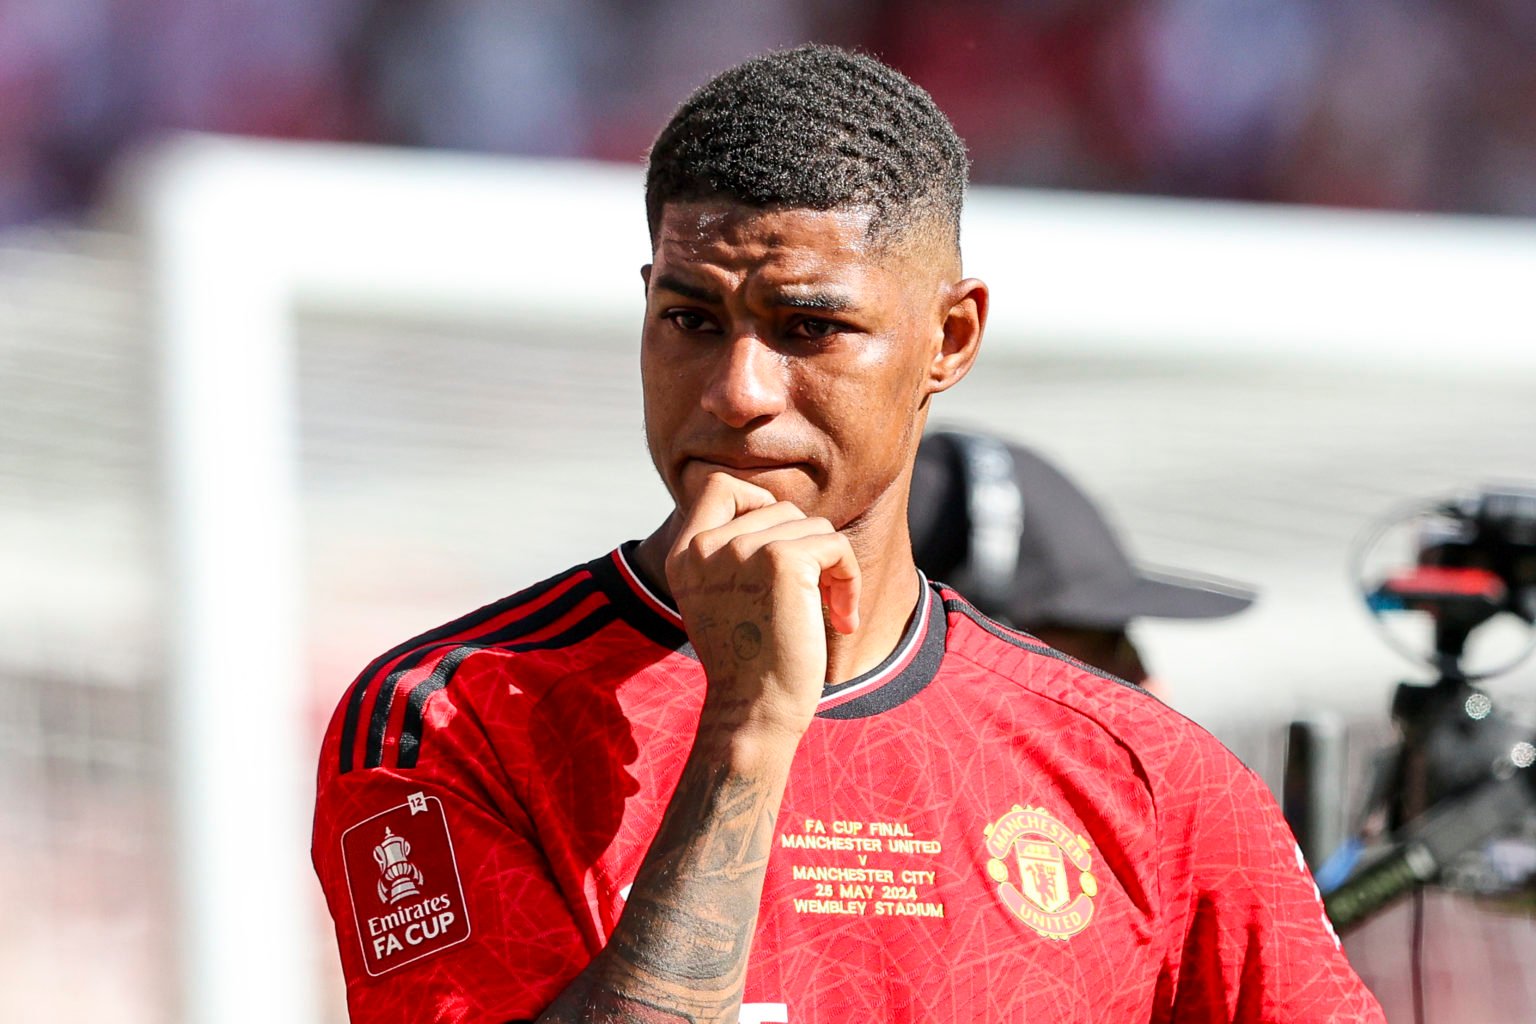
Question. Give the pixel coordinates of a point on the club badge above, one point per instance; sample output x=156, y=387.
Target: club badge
x=1041, y=869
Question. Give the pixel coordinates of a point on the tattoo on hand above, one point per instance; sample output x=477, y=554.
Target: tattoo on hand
x=746, y=641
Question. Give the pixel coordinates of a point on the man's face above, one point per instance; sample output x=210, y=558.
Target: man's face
x=783, y=348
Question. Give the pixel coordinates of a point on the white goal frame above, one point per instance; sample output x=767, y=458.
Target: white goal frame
x=240, y=234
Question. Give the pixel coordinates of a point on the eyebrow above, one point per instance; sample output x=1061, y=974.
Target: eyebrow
x=688, y=291
x=820, y=301
x=826, y=302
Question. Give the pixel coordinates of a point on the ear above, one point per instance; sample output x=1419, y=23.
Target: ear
x=964, y=318
x=645, y=278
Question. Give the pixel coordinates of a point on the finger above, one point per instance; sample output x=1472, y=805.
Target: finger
x=721, y=500
x=839, y=577
x=758, y=521
x=746, y=543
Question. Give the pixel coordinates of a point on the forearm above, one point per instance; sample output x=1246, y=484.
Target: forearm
x=679, y=952
x=749, y=574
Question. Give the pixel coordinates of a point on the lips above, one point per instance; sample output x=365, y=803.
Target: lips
x=744, y=464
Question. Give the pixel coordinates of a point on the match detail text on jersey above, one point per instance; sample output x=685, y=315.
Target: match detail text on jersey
x=863, y=868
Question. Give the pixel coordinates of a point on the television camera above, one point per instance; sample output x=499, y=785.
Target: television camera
x=1462, y=772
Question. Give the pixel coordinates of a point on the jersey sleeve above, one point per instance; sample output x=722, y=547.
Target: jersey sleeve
x=444, y=906
x=1253, y=943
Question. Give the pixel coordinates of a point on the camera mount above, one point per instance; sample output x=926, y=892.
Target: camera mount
x=1462, y=771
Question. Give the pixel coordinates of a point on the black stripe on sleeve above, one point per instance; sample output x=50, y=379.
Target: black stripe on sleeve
x=382, y=706
x=442, y=674
x=463, y=624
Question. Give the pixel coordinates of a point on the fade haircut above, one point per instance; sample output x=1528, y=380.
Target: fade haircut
x=815, y=127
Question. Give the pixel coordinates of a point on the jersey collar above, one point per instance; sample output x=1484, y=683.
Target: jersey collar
x=905, y=671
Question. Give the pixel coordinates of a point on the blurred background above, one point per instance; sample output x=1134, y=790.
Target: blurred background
x=1404, y=104
x=432, y=447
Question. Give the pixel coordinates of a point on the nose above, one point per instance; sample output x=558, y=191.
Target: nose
x=747, y=384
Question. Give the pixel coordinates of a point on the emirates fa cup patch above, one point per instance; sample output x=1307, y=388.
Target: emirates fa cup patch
x=403, y=878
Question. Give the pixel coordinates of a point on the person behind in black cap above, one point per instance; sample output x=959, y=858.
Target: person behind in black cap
x=1013, y=534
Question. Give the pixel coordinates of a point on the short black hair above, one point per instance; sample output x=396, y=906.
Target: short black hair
x=817, y=127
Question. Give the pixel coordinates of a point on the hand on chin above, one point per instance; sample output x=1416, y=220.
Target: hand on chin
x=786, y=482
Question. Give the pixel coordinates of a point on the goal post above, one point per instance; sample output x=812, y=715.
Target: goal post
x=242, y=234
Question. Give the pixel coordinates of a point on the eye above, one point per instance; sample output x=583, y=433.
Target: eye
x=689, y=321
x=816, y=328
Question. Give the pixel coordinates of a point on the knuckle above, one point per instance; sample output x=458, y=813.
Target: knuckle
x=776, y=553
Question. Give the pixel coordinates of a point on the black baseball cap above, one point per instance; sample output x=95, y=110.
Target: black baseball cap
x=1065, y=568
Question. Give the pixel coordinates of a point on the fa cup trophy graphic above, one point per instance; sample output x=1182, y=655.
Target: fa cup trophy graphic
x=401, y=877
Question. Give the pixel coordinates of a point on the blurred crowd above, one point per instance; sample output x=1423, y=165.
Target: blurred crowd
x=1406, y=104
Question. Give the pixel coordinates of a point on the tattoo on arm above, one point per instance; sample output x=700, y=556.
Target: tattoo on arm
x=679, y=953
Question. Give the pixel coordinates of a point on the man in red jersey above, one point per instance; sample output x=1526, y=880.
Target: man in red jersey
x=755, y=767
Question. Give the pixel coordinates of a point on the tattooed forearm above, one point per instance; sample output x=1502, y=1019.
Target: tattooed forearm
x=714, y=844
x=679, y=952
x=611, y=1008
x=749, y=594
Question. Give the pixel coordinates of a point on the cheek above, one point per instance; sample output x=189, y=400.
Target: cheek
x=658, y=396
x=885, y=383
x=661, y=382
x=871, y=407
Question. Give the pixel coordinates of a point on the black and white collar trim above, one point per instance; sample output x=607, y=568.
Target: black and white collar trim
x=908, y=668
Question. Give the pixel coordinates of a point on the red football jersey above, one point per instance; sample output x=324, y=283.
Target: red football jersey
x=979, y=829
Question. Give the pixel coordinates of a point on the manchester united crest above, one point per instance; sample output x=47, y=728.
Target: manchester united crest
x=1041, y=868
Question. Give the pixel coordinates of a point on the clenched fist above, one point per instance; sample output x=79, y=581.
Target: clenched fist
x=758, y=583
